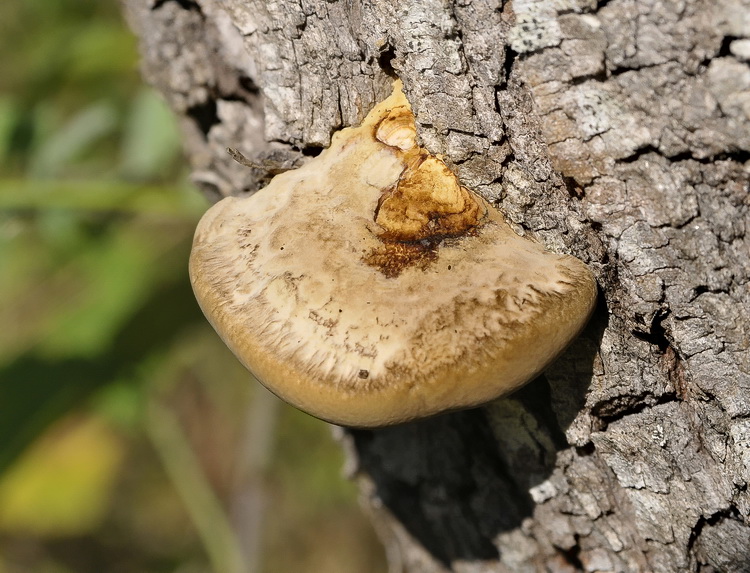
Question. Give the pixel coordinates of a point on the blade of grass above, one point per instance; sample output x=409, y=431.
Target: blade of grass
x=204, y=507
x=98, y=195
x=151, y=142
x=8, y=119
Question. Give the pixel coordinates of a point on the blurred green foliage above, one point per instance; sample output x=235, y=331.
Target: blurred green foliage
x=83, y=213
x=129, y=436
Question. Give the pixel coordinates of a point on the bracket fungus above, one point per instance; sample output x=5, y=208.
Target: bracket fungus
x=369, y=287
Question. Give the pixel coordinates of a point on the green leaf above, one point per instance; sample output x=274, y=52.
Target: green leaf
x=35, y=391
x=77, y=136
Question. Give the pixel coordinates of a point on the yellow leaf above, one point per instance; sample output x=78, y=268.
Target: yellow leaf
x=61, y=485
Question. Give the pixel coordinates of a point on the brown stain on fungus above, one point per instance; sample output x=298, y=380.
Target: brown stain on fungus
x=426, y=205
x=392, y=257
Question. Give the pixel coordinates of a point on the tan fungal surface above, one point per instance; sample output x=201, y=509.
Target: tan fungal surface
x=369, y=287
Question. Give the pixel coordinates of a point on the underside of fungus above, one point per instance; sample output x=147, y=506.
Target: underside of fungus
x=369, y=287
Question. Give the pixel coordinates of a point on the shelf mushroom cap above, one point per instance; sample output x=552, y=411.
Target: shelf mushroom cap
x=369, y=287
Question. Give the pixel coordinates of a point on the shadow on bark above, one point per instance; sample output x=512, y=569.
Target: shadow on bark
x=444, y=478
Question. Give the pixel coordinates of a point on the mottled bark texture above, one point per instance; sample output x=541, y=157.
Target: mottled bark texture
x=618, y=131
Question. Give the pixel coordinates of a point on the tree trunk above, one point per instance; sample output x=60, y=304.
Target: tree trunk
x=617, y=131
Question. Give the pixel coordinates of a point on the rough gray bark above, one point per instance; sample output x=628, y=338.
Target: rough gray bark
x=618, y=131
